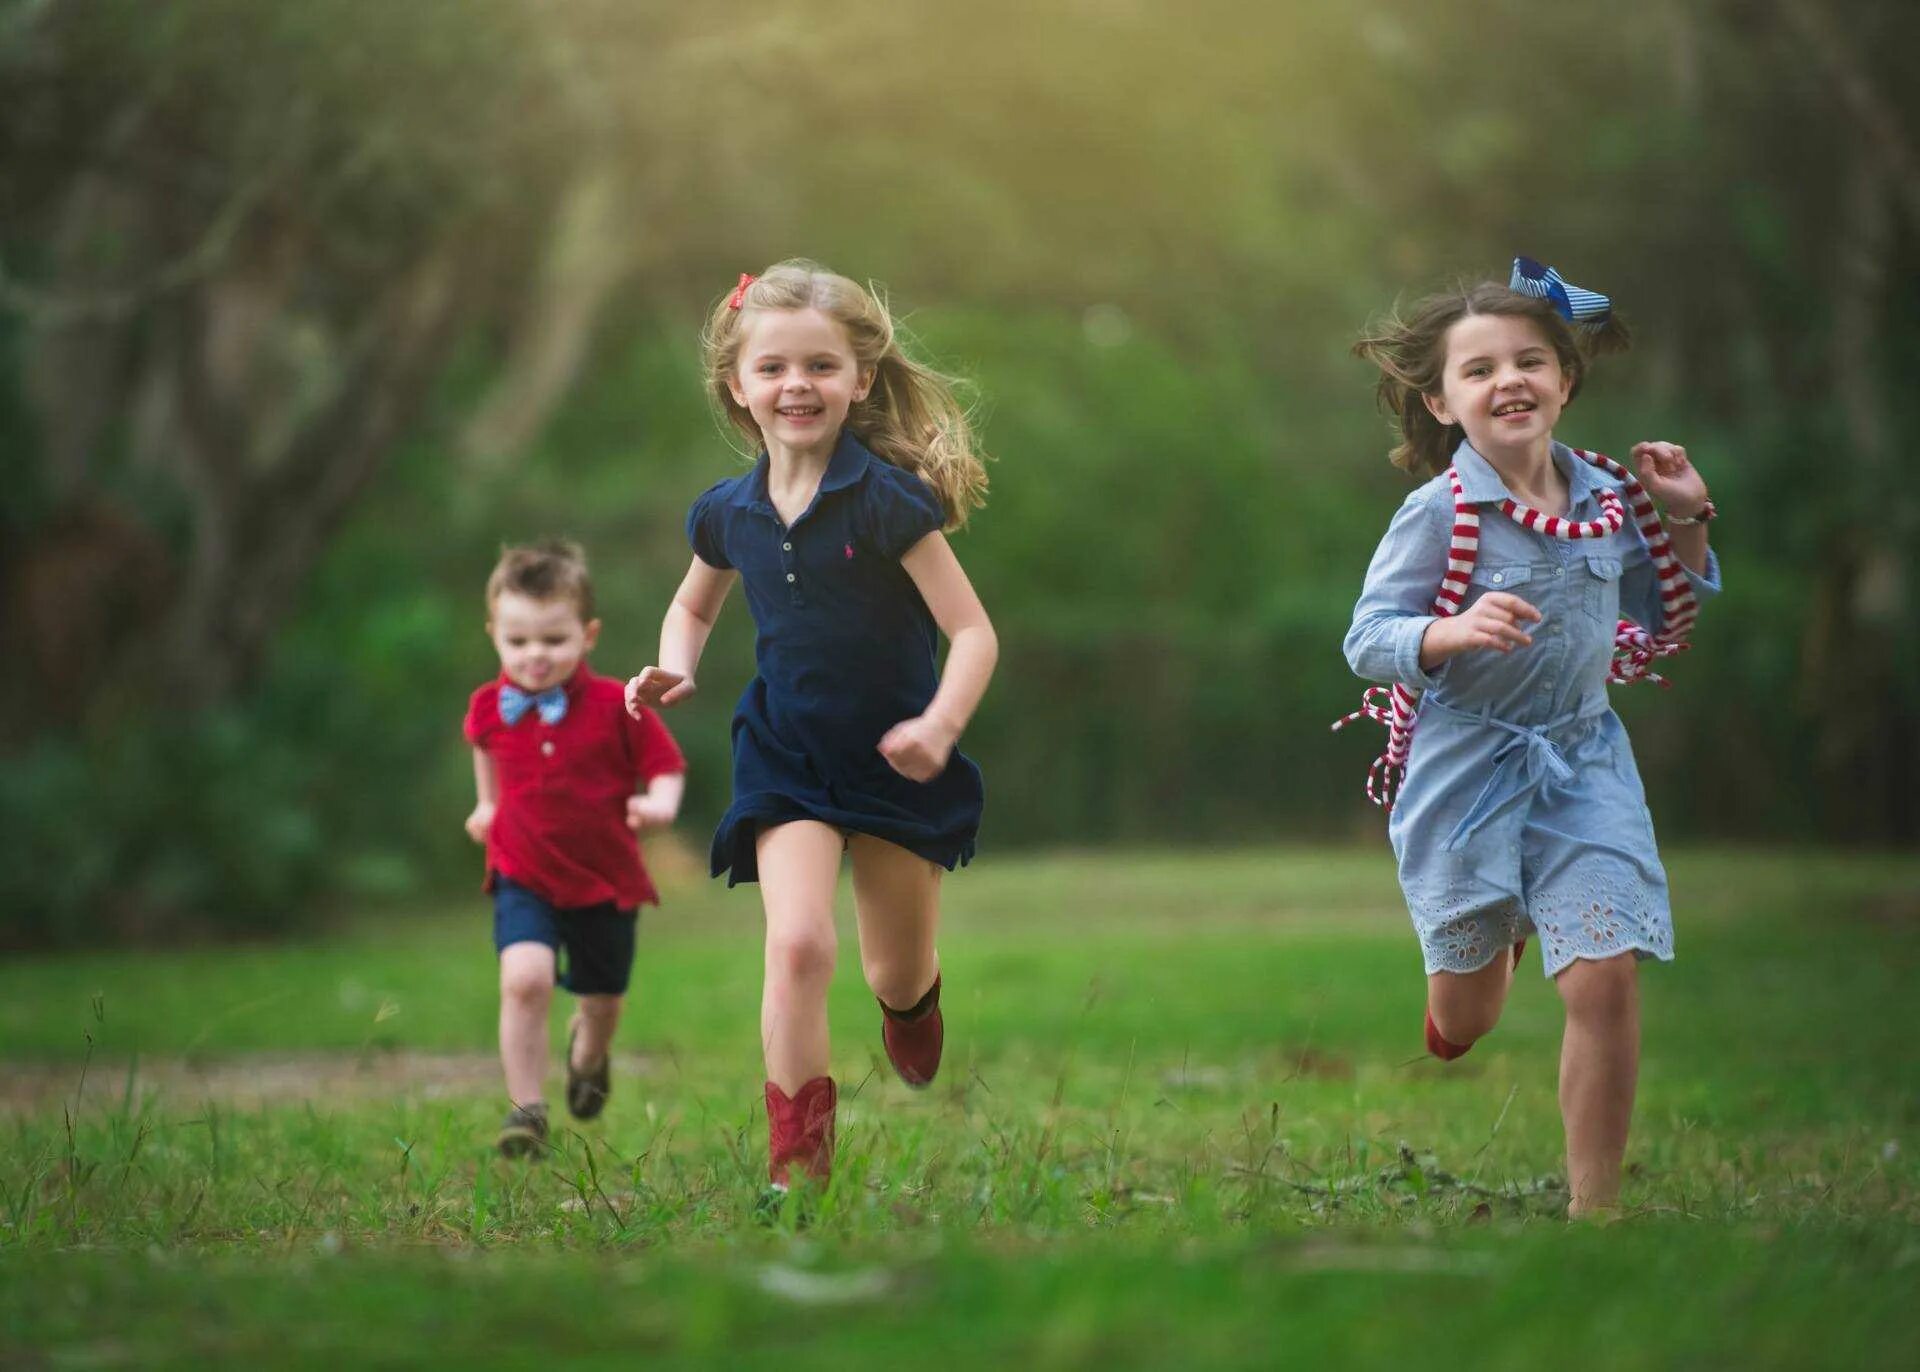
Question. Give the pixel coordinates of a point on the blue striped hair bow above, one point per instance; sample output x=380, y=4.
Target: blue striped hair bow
x=1588, y=309
x=514, y=702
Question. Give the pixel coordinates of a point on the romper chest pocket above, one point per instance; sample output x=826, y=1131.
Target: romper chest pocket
x=1602, y=586
x=1499, y=576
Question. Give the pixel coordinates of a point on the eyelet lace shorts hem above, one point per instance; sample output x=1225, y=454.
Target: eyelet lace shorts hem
x=1568, y=930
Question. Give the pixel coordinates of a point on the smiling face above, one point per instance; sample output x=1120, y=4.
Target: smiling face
x=540, y=642
x=1502, y=383
x=798, y=376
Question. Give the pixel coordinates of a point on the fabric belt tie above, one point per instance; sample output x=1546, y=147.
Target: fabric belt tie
x=1526, y=764
x=1635, y=649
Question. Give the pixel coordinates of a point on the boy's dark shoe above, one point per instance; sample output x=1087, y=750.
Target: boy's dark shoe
x=587, y=1091
x=915, y=1037
x=524, y=1134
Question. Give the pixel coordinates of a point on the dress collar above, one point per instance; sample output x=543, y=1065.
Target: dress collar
x=1481, y=484
x=847, y=465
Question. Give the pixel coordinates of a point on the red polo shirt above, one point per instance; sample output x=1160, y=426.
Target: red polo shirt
x=561, y=826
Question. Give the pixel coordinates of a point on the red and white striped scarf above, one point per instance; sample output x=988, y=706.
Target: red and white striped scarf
x=1635, y=650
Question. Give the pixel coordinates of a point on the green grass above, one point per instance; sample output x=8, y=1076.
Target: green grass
x=1182, y=1120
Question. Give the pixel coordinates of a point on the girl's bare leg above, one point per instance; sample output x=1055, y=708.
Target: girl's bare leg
x=1466, y=1005
x=526, y=993
x=799, y=866
x=1599, y=1068
x=897, y=899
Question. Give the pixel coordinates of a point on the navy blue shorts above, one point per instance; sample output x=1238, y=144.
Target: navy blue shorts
x=592, y=945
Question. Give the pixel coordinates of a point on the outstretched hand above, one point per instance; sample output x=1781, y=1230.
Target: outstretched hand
x=1670, y=478
x=644, y=813
x=658, y=689
x=918, y=748
x=1497, y=621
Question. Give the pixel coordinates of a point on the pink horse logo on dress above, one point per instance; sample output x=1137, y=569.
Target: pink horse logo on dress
x=849, y=552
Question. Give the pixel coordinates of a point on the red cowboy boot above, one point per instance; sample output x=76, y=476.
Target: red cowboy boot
x=800, y=1130
x=914, y=1038
x=1444, y=1049
x=1447, y=1050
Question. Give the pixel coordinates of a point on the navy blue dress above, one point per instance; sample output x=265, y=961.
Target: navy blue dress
x=846, y=650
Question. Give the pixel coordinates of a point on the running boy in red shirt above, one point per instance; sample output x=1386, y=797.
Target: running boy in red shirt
x=556, y=763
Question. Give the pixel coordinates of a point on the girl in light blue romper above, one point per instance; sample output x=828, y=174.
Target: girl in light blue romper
x=1520, y=811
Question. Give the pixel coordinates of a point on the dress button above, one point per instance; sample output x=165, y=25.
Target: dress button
x=786, y=547
x=789, y=576
x=1499, y=577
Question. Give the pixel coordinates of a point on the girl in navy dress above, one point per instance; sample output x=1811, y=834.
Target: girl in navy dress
x=1494, y=611
x=844, y=739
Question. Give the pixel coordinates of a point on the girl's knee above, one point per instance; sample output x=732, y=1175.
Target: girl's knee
x=803, y=955
x=897, y=983
x=1604, y=989
x=1467, y=1005
x=1463, y=1020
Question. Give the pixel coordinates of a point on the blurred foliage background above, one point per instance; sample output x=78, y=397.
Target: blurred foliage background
x=305, y=310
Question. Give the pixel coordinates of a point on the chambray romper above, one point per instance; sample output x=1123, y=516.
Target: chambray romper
x=845, y=651
x=1521, y=806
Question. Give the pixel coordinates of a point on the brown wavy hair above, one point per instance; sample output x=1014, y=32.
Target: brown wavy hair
x=553, y=570
x=912, y=415
x=1410, y=349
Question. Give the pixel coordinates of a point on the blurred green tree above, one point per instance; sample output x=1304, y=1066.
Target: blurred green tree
x=303, y=310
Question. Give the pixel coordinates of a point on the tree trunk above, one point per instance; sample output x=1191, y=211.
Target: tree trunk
x=1863, y=748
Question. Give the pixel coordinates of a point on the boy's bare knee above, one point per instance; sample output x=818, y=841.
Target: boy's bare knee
x=526, y=974
x=526, y=985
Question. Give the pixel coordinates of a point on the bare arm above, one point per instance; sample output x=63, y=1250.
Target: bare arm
x=918, y=748
x=683, y=637
x=486, y=790
x=1672, y=480
x=659, y=804
x=1689, y=545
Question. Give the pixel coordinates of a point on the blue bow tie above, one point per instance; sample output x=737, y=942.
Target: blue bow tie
x=1588, y=309
x=514, y=702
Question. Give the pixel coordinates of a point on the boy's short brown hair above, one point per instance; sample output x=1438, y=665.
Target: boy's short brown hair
x=553, y=570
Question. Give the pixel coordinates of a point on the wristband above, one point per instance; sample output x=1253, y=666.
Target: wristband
x=1707, y=512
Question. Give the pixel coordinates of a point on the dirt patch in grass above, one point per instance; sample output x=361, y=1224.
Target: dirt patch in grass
x=265, y=1079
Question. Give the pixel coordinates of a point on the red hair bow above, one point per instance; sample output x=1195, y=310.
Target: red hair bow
x=739, y=296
